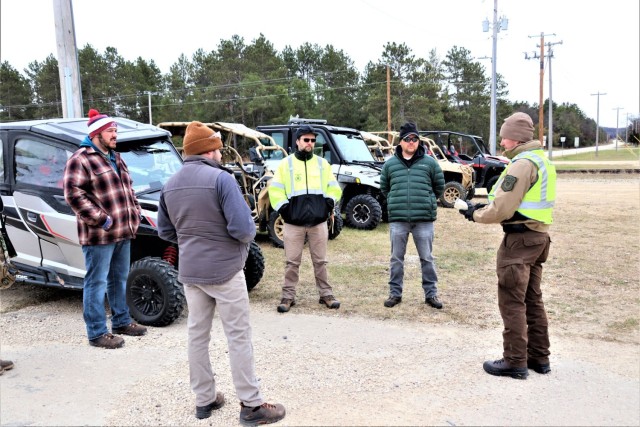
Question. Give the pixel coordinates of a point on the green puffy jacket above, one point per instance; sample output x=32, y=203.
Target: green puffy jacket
x=412, y=187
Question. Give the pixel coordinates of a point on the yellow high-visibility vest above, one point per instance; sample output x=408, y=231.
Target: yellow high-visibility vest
x=539, y=201
x=294, y=178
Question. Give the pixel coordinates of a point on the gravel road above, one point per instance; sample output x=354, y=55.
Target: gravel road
x=326, y=370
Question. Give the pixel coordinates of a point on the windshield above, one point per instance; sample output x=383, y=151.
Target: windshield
x=352, y=147
x=481, y=145
x=150, y=164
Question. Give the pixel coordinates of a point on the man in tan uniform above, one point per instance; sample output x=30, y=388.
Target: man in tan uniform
x=522, y=201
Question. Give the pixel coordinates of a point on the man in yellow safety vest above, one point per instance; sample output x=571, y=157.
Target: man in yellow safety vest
x=522, y=201
x=304, y=191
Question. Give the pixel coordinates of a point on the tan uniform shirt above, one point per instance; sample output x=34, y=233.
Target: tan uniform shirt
x=506, y=203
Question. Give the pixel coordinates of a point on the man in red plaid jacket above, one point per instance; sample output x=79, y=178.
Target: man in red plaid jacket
x=98, y=188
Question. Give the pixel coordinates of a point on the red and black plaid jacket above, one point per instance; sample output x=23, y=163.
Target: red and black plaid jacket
x=94, y=190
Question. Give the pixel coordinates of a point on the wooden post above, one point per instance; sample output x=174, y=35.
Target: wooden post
x=68, y=68
x=541, y=107
x=389, y=99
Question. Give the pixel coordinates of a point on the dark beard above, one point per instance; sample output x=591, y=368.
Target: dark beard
x=103, y=143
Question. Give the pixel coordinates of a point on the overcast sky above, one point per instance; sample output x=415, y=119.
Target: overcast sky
x=596, y=46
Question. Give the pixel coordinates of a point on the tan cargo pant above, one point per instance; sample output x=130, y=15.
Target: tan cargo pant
x=232, y=300
x=519, y=269
x=294, y=238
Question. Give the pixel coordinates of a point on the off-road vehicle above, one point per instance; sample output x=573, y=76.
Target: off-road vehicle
x=470, y=150
x=253, y=174
x=357, y=172
x=458, y=178
x=380, y=148
x=43, y=229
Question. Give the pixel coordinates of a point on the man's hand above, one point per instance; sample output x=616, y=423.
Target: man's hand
x=330, y=203
x=107, y=223
x=468, y=213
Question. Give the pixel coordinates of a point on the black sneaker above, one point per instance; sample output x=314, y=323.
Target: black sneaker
x=392, y=301
x=502, y=368
x=434, y=302
x=541, y=368
x=263, y=414
x=205, y=411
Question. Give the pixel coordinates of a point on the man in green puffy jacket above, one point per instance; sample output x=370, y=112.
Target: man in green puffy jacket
x=412, y=182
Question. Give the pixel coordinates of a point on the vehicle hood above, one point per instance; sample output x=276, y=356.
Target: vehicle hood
x=368, y=175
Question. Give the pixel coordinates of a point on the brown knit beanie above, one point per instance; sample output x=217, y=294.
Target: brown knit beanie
x=199, y=139
x=518, y=127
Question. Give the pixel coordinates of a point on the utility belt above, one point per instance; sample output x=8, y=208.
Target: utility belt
x=515, y=228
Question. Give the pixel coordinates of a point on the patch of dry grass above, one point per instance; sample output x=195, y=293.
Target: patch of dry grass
x=590, y=282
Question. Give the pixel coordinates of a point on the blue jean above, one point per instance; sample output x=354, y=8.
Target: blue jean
x=422, y=233
x=107, y=270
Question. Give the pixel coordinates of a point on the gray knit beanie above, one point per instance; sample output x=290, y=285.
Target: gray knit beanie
x=518, y=127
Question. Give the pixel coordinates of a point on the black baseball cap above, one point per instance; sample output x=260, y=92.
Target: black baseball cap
x=305, y=130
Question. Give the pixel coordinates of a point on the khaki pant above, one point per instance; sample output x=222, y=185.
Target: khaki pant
x=519, y=269
x=232, y=300
x=294, y=238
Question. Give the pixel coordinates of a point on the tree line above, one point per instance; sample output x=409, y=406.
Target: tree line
x=256, y=85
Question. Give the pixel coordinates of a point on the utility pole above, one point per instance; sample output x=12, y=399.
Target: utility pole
x=550, y=56
x=68, y=68
x=541, y=106
x=597, y=119
x=617, y=121
x=149, y=94
x=498, y=24
x=388, y=99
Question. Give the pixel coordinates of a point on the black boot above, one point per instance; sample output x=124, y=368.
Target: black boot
x=502, y=368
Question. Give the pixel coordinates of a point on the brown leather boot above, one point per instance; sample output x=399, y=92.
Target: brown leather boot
x=109, y=341
x=263, y=414
x=285, y=305
x=330, y=301
x=5, y=365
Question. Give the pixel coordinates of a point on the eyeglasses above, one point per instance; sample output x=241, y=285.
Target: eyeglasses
x=410, y=139
x=309, y=139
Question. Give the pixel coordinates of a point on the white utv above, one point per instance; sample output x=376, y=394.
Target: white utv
x=42, y=226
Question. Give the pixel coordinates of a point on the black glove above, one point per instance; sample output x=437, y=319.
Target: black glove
x=468, y=213
x=330, y=203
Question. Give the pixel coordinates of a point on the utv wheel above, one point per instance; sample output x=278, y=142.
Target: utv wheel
x=363, y=212
x=452, y=190
x=276, y=229
x=154, y=295
x=338, y=223
x=254, y=266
